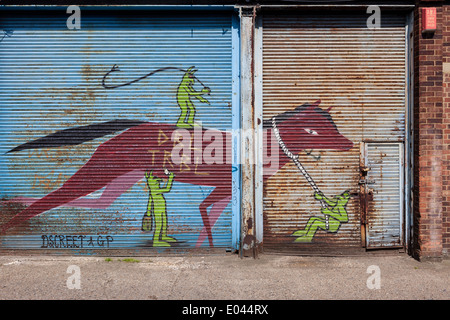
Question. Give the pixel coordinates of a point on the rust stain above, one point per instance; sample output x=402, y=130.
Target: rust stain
x=87, y=72
x=8, y=210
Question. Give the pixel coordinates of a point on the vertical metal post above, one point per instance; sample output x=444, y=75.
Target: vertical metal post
x=236, y=143
x=259, y=130
x=247, y=15
x=363, y=196
x=409, y=145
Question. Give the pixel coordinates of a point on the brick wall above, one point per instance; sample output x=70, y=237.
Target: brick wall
x=429, y=128
x=446, y=119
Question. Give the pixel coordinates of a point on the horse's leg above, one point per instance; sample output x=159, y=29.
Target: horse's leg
x=112, y=191
x=22, y=200
x=82, y=183
x=214, y=215
x=216, y=195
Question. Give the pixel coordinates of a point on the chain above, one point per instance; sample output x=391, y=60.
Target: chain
x=294, y=158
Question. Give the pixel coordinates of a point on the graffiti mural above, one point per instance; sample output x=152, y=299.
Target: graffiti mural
x=334, y=213
x=154, y=144
x=322, y=131
x=185, y=93
x=7, y=33
x=184, y=152
x=91, y=126
x=156, y=209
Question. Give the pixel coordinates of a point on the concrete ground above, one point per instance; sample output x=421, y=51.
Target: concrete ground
x=223, y=277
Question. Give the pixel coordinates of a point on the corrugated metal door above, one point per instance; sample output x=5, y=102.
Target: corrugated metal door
x=340, y=83
x=385, y=181
x=99, y=145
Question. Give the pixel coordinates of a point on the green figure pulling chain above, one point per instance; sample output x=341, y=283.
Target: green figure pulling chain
x=334, y=213
x=156, y=209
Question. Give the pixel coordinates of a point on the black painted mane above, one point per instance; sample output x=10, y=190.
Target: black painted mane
x=78, y=135
x=267, y=124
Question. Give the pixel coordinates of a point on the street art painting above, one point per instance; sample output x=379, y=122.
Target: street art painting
x=334, y=212
x=185, y=94
x=6, y=33
x=156, y=209
x=93, y=118
x=318, y=128
x=133, y=139
x=150, y=154
x=144, y=149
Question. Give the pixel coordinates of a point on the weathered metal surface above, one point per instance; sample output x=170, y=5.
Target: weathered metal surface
x=385, y=211
x=51, y=80
x=364, y=193
x=360, y=73
x=248, y=244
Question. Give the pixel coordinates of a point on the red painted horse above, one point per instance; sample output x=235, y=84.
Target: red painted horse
x=122, y=161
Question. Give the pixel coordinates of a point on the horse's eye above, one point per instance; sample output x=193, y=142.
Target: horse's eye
x=311, y=131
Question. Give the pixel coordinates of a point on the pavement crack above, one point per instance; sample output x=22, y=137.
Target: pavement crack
x=105, y=285
x=174, y=284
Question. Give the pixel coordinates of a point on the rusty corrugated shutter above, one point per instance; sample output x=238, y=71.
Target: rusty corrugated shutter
x=56, y=86
x=361, y=74
x=384, y=215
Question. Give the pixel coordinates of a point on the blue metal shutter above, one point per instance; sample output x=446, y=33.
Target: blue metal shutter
x=51, y=80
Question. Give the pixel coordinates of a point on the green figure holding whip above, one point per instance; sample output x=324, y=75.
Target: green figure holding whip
x=185, y=92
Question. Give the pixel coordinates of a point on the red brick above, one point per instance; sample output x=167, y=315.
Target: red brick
x=432, y=137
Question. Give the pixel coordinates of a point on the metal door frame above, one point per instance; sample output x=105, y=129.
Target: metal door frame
x=409, y=134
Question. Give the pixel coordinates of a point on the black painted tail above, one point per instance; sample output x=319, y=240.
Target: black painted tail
x=78, y=135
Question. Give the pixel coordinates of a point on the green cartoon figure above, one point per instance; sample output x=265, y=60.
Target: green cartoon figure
x=334, y=213
x=185, y=92
x=156, y=209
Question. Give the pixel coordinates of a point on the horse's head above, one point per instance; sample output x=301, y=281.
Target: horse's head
x=310, y=127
